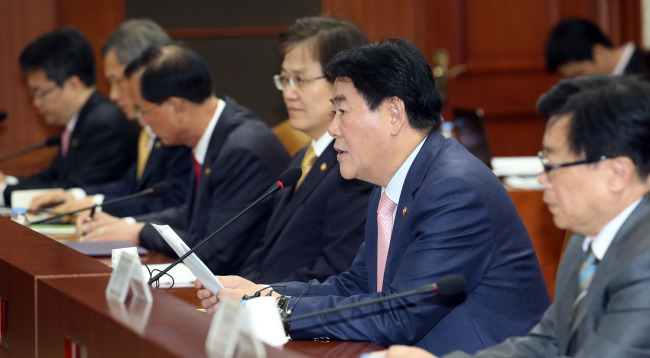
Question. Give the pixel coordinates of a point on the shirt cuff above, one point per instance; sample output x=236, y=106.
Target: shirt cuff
x=129, y=220
x=78, y=193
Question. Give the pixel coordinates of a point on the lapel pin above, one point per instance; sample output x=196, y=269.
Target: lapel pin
x=323, y=167
x=157, y=145
x=404, y=211
x=207, y=171
x=74, y=142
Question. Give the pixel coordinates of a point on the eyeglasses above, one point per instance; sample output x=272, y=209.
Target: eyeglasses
x=282, y=82
x=140, y=113
x=548, y=168
x=40, y=95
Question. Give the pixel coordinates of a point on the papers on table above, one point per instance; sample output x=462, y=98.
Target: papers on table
x=182, y=275
x=193, y=262
x=518, y=172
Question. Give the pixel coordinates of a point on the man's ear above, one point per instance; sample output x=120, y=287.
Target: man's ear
x=397, y=113
x=621, y=174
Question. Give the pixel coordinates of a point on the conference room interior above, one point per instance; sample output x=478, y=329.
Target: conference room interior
x=485, y=55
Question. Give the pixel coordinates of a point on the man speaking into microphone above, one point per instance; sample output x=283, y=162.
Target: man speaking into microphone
x=436, y=210
x=236, y=158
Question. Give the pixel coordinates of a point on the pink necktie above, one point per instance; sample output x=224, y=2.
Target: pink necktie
x=384, y=230
x=65, y=142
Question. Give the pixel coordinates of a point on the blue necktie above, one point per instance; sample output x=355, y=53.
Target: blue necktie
x=587, y=271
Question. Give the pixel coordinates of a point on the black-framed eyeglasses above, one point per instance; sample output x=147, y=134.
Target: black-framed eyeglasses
x=40, y=95
x=283, y=82
x=548, y=168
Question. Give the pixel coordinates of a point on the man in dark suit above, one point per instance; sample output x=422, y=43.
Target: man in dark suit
x=98, y=143
x=441, y=212
x=156, y=162
x=576, y=47
x=237, y=158
x=596, y=165
x=315, y=230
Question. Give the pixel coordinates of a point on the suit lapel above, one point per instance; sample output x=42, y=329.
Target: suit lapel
x=371, y=240
x=151, y=164
x=227, y=123
x=414, y=179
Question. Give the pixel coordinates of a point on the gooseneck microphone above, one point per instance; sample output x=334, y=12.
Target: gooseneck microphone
x=158, y=189
x=49, y=142
x=288, y=178
x=446, y=286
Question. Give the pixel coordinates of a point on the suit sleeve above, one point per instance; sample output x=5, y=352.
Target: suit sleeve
x=449, y=232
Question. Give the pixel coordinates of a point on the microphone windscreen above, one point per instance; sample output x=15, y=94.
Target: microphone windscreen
x=3, y=115
x=290, y=176
x=161, y=188
x=451, y=285
x=53, y=140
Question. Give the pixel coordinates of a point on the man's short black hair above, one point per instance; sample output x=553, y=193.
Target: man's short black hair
x=392, y=68
x=61, y=54
x=573, y=40
x=610, y=116
x=329, y=36
x=172, y=71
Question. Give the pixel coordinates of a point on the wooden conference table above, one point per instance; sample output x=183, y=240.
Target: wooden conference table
x=52, y=303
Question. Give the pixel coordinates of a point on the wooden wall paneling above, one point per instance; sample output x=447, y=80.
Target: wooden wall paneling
x=382, y=19
x=21, y=21
x=97, y=20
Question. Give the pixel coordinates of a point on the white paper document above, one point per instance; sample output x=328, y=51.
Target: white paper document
x=182, y=275
x=193, y=262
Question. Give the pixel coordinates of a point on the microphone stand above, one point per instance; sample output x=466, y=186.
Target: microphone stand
x=214, y=233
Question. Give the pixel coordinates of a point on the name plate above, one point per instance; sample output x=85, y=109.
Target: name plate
x=127, y=275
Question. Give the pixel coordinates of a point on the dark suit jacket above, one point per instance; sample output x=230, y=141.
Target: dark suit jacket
x=638, y=64
x=243, y=159
x=453, y=217
x=164, y=164
x=612, y=319
x=102, y=146
x=314, y=232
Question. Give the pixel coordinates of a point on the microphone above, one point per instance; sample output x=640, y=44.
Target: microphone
x=49, y=142
x=447, y=286
x=3, y=116
x=288, y=178
x=158, y=189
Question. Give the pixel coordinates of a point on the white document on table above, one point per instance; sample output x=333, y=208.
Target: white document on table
x=198, y=268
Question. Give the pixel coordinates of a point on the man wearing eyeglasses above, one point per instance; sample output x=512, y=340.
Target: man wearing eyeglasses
x=98, y=143
x=236, y=158
x=155, y=163
x=596, y=156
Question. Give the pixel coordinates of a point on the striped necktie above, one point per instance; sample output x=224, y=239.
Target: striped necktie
x=307, y=162
x=585, y=276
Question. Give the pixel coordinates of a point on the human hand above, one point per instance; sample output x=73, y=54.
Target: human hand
x=395, y=351
x=48, y=199
x=104, y=227
x=235, y=287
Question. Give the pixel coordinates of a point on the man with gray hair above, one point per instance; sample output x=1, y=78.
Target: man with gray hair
x=156, y=162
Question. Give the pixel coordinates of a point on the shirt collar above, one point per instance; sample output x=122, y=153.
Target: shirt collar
x=600, y=243
x=394, y=188
x=319, y=145
x=72, y=122
x=628, y=50
x=201, y=148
